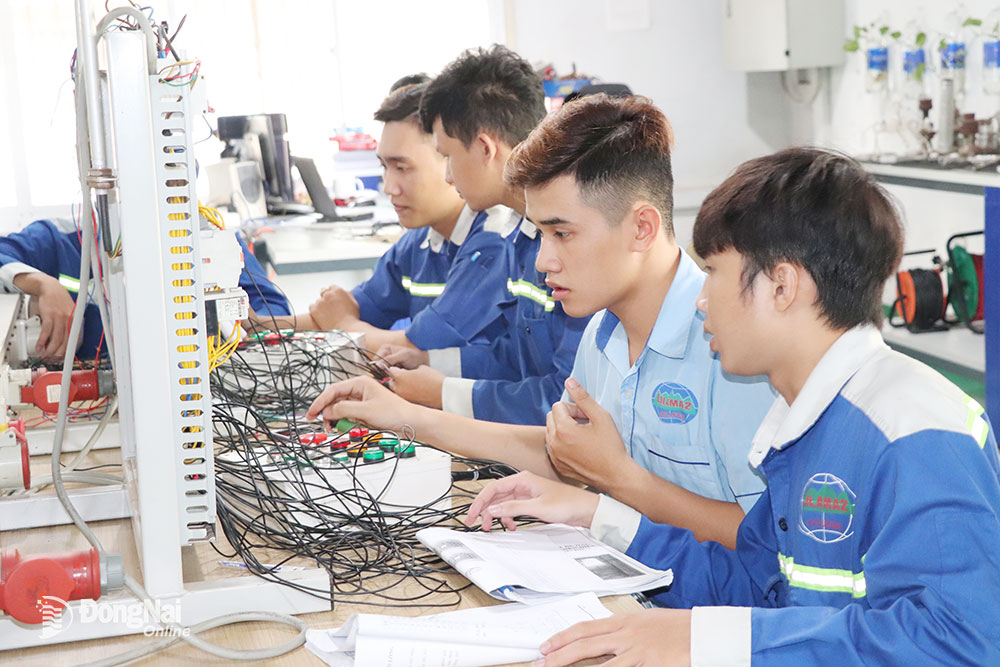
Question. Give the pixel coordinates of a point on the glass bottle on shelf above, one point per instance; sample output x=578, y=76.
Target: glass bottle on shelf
x=877, y=66
x=914, y=62
x=991, y=53
x=953, y=51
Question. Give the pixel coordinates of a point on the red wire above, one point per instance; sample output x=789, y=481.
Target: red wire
x=99, y=343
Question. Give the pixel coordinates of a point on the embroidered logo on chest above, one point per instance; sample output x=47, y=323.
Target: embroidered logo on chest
x=674, y=403
x=827, y=513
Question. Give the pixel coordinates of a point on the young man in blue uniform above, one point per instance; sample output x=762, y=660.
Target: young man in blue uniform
x=445, y=273
x=479, y=108
x=877, y=539
x=665, y=430
x=43, y=260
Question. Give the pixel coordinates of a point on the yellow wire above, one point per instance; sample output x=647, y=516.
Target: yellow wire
x=219, y=353
x=212, y=215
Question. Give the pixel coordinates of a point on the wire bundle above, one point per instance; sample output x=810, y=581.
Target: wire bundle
x=276, y=495
x=281, y=373
x=218, y=351
x=175, y=74
x=212, y=215
x=266, y=503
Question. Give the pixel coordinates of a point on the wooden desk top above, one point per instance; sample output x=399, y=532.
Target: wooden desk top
x=201, y=563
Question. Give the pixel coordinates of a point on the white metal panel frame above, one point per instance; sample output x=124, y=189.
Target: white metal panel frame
x=165, y=414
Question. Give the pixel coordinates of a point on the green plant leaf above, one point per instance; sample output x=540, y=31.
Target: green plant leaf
x=918, y=72
x=971, y=21
x=857, y=31
x=884, y=29
x=941, y=44
x=851, y=45
x=921, y=38
x=895, y=35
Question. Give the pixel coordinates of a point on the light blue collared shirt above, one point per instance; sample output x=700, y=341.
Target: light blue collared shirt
x=680, y=416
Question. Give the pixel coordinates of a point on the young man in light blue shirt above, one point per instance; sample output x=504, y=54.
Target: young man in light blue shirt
x=663, y=429
x=664, y=403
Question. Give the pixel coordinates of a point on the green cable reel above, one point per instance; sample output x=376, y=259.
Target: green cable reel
x=963, y=283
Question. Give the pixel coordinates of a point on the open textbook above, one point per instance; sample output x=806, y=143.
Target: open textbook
x=467, y=638
x=541, y=562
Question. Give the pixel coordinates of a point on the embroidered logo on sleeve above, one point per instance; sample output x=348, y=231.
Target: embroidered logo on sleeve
x=827, y=508
x=674, y=403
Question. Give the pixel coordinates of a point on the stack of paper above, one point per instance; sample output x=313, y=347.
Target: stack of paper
x=541, y=563
x=467, y=638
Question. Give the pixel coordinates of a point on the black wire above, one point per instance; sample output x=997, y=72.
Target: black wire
x=105, y=465
x=278, y=499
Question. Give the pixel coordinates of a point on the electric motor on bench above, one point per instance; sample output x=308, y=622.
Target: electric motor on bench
x=33, y=586
x=46, y=388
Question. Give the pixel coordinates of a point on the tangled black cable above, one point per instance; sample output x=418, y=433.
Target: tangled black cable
x=281, y=373
x=281, y=496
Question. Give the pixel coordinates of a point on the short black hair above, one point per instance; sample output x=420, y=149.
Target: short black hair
x=617, y=148
x=401, y=104
x=814, y=208
x=409, y=80
x=485, y=90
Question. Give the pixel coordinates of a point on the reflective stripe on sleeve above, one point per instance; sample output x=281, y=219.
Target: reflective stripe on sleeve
x=974, y=423
x=532, y=292
x=422, y=289
x=825, y=580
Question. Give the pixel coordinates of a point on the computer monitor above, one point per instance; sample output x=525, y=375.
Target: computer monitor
x=261, y=138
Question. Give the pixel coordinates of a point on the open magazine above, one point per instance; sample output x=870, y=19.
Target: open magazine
x=541, y=562
x=467, y=638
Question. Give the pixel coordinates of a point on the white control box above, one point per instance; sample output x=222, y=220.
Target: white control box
x=779, y=35
x=393, y=488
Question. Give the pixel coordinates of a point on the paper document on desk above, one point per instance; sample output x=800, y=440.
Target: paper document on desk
x=467, y=638
x=541, y=562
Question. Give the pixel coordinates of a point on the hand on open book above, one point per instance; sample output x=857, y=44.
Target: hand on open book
x=527, y=494
x=648, y=637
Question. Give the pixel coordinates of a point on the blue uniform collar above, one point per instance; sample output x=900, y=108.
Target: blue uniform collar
x=672, y=329
x=435, y=240
x=785, y=424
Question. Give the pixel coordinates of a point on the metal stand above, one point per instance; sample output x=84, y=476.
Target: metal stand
x=161, y=366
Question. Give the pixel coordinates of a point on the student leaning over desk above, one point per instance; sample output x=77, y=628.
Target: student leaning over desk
x=446, y=272
x=666, y=430
x=878, y=538
x=482, y=105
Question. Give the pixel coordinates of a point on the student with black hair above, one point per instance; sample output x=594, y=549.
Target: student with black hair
x=648, y=415
x=876, y=541
x=446, y=272
x=479, y=109
x=408, y=80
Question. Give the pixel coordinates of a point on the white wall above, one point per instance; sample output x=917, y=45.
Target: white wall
x=720, y=118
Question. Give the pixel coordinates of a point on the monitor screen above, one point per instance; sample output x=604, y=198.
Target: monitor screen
x=261, y=138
